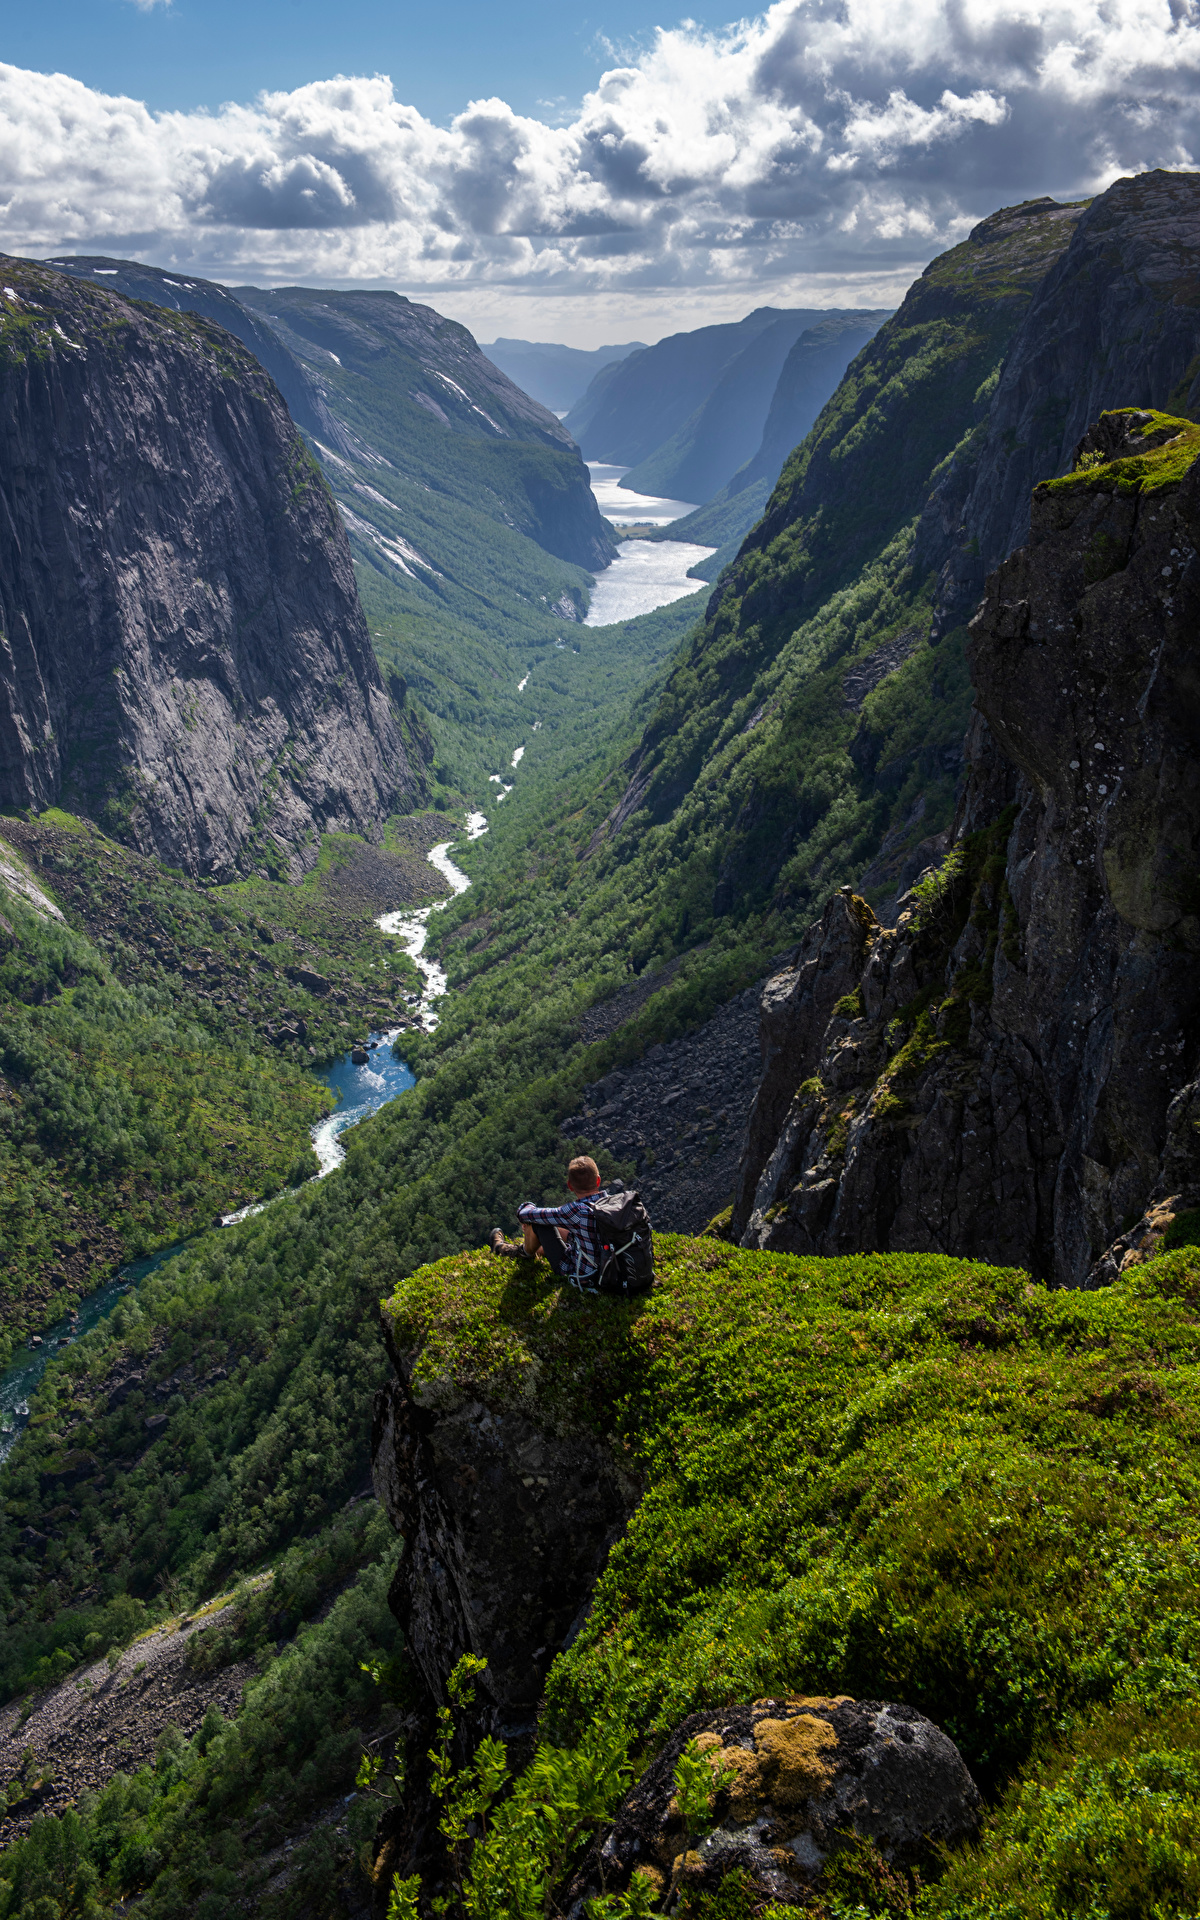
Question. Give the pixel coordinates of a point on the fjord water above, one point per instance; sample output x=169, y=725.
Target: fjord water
x=646, y=573
x=360, y=1091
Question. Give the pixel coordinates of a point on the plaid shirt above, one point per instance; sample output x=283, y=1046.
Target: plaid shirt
x=576, y=1222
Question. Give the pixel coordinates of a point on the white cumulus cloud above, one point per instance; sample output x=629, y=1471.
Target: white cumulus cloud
x=845, y=138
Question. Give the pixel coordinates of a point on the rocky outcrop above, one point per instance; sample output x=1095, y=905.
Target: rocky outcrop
x=678, y=1113
x=506, y=1523
x=995, y=1075
x=799, y=1782
x=1114, y=323
x=183, y=655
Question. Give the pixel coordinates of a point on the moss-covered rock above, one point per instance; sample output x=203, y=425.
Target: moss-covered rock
x=897, y=1478
x=493, y=1453
x=798, y=1784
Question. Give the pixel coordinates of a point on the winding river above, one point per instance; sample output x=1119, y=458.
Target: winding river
x=360, y=1091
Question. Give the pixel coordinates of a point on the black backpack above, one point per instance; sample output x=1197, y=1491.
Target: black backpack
x=626, y=1246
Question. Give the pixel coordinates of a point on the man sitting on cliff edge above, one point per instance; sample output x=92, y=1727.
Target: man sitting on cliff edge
x=567, y=1235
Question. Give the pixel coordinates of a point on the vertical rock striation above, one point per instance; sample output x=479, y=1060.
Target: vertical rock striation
x=183, y=656
x=992, y=1077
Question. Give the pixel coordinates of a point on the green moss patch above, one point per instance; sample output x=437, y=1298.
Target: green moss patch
x=1155, y=471
x=897, y=1476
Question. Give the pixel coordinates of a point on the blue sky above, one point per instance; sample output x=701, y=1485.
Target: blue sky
x=539, y=55
x=623, y=173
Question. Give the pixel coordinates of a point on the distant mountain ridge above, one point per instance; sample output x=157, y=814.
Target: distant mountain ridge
x=556, y=375
x=811, y=372
x=686, y=414
x=633, y=407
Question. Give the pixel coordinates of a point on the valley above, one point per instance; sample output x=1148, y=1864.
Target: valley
x=844, y=904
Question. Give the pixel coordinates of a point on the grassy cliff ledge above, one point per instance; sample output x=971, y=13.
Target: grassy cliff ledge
x=893, y=1476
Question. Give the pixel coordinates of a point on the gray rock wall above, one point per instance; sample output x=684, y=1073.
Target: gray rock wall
x=182, y=652
x=1115, y=323
x=506, y=1526
x=997, y=1079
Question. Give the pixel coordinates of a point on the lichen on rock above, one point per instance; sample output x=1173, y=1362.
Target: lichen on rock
x=797, y=1781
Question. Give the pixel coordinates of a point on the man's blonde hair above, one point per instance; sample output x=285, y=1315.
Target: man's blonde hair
x=583, y=1174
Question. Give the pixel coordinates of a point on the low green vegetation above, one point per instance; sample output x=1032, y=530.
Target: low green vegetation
x=466, y=670
x=895, y=1476
x=124, y=1123
x=204, y=1826
x=900, y=1477
x=156, y=1050
x=1162, y=467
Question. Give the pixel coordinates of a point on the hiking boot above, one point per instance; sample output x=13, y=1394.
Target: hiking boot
x=507, y=1249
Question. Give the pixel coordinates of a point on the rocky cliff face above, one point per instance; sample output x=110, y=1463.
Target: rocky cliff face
x=993, y=1075
x=1114, y=323
x=506, y=1523
x=211, y=301
x=183, y=656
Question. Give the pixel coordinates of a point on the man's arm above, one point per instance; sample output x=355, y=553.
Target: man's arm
x=564, y=1216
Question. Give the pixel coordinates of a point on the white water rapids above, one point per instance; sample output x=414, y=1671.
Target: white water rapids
x=410, y=926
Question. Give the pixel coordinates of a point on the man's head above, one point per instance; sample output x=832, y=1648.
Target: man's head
x=583, y=1175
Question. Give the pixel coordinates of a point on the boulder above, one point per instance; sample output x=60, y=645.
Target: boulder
x=312, y=982
x=67, y=1471
x=798, y=1782
x=359, y=1056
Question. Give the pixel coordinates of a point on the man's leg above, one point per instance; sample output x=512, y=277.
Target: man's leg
x=524, y=1249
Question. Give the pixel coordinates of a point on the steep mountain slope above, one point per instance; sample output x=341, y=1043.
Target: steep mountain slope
x=457, y=491
x=213, y=302
x=809, y=717
x=1115, y=324
x=811, y=373
x=723, y=431
x=995, y=1073
x=632, y=410
x=413, y=386
x=184, y=655
x=557, y=376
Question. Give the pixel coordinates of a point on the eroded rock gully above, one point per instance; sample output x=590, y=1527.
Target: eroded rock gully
x=992, y=1077
x=182, y=652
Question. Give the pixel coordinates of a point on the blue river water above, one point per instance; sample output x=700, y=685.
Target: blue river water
x=359, y=1090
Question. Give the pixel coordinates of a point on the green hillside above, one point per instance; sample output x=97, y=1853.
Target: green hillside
x=903, y=1477
x=748, y=761
x=869, y=1475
